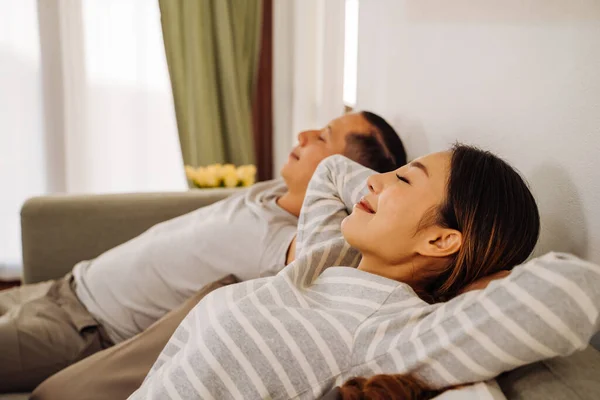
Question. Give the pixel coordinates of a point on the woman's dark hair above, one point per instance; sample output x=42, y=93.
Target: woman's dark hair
x=491, y=205
x=385, y=387
x=381, y=150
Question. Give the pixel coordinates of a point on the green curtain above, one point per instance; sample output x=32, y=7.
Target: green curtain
x=212, y=49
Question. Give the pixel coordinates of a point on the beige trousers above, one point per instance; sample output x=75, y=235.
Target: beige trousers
x=115, y=373
x=43, y=329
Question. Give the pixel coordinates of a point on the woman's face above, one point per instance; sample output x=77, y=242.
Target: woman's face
x=385, y=224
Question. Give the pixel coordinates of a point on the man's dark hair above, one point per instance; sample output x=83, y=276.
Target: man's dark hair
x=381, y=150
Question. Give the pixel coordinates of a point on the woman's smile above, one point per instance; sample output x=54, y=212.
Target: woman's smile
x=364, y=205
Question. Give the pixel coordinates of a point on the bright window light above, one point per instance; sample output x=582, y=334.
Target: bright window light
x=350, y=52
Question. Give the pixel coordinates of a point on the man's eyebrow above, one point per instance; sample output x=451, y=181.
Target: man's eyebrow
x=419, y=165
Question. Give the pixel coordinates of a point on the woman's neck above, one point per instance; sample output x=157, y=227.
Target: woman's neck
x=404, y=272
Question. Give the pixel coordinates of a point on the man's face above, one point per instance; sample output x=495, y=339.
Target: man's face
x=316, y=145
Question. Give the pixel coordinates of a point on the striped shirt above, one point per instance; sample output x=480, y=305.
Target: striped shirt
x=321, y=321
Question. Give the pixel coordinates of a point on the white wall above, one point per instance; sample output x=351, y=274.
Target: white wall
x=521, y=78
x=308, y=68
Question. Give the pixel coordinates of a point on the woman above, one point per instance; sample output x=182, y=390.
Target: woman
x=417, y=235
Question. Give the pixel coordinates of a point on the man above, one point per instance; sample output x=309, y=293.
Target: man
x=48, y=326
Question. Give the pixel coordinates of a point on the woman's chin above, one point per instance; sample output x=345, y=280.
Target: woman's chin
x=347, y=224
x=351, y=231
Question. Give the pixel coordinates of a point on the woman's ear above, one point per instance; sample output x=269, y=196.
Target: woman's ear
x=439, y=242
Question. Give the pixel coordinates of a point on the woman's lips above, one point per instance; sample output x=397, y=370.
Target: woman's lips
x=294, y=156
x=364, y=206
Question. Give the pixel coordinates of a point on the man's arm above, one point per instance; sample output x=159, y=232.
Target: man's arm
x=291, y=253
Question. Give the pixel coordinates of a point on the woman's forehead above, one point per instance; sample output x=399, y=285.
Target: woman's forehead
x=434, y=165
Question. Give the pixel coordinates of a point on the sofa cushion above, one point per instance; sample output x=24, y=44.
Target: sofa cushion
x=564, y=378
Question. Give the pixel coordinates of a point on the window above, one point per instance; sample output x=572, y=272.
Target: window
x=114, y=114
x=350, y=53
x=22, y=163
x=131, y=141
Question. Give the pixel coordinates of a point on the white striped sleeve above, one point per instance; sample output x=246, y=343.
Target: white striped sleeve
x=337, y=184
x=514, y=321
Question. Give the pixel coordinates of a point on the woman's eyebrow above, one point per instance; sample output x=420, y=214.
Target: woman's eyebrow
x=419, y=165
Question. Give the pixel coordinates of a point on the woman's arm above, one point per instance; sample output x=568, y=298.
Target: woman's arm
x=545, y=308
x=337, y=184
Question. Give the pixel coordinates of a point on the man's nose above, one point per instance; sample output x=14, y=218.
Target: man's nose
x=305, y=137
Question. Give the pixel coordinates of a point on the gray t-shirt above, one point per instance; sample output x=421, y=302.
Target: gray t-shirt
x=133, y=285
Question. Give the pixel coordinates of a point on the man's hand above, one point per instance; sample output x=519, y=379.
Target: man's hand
x=482, y=283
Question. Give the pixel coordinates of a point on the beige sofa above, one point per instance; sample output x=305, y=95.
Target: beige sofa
x=59, y=231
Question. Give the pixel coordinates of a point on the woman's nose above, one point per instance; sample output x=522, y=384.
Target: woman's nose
x=374, y=183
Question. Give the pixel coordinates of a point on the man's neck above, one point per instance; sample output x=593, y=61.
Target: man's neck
x=291, y=202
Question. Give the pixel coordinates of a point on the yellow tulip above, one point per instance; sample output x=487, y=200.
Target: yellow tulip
x=230, y=179
x=190, y=172
x=227, y=168
x=227, y=175
x=212, y=178
x=248, y=181
x=198, y=176
x=247, y=174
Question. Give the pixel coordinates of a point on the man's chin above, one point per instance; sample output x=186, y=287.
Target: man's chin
x=285, y=168
x=286, y=171
x=290, y=163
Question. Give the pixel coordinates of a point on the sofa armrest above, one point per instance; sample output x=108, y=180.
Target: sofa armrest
x=60, y=230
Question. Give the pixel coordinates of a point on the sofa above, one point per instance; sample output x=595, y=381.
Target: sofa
x=60, y=230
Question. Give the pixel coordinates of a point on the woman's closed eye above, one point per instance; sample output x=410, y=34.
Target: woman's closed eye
x=403, y=179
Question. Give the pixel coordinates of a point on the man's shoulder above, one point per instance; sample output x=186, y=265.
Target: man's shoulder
x=265, y=193
x=270, y=186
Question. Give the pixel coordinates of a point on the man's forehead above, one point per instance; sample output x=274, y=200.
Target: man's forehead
x=347, y=123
